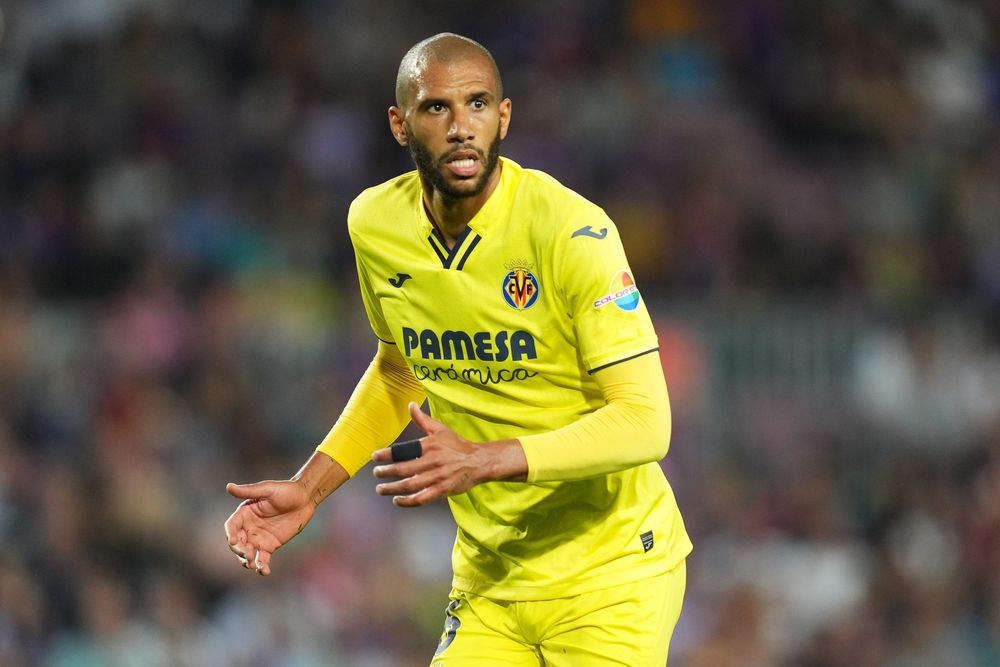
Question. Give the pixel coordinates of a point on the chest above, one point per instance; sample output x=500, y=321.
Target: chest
x=486, y=299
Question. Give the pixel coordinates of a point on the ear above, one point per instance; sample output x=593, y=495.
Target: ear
x=396, y=125
x=504, y=117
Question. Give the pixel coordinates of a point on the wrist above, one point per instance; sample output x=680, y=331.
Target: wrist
x=504, y=461
x=319, y=477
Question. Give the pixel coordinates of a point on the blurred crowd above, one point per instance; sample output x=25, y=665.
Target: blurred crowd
x=810, y=197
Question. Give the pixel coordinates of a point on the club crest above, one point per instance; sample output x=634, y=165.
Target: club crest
x=520, y=286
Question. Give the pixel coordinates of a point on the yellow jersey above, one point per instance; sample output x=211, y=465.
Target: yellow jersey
x=504, y=331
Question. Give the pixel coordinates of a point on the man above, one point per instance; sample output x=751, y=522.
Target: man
x=506, y=300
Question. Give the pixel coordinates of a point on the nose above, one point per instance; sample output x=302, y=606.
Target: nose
x=460, y=129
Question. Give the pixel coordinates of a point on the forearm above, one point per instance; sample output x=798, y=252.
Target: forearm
x=502, y=460
x=376, y=412
x=446, y=465
x=632, y=428
x=320, y=476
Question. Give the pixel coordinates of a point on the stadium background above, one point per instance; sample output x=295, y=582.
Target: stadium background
x=809, y=193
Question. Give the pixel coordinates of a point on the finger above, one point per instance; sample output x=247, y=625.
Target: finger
x=406, y=450
x=232, y=527
x=392, y=488
x=385, y=471
x=394, y=451
x=428, y=424
x=240, y=549
x=237, y=549
x=401, y=469
x=422, y=497
x=411, y=500
x=262, y=563
x=237, y=537
x=253, y=491
x=235, y=534
x=400, y=488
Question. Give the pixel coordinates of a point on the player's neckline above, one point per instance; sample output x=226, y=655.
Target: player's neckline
x=456, y=256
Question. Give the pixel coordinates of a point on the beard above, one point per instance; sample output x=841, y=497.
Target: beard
x=430, y=168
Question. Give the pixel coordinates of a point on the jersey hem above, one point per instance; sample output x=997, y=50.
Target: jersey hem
x=589, y=585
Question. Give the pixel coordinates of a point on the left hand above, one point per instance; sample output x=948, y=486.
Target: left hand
x=448, y=466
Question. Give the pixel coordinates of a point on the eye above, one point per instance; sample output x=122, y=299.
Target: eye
x=436, y=107
x=479, y=103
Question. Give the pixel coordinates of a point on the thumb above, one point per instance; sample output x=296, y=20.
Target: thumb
x=249, y=491
x=427, y=424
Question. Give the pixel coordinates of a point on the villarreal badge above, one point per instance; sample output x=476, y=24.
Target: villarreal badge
x=520, y=286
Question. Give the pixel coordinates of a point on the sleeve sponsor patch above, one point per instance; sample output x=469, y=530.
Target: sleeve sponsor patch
x=622, y=292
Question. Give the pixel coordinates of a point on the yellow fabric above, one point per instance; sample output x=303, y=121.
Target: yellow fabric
x=507, y=332
x=376, y=413
x=624, y=626
x=631, y=429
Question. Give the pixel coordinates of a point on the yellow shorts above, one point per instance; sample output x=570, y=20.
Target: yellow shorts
x=624, y=625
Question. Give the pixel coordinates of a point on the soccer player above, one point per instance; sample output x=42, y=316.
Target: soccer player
x=506, y=301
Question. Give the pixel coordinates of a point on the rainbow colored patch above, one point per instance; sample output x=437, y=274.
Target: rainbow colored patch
x=622, y=292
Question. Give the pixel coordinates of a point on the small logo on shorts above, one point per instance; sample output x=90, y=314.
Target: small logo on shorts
x=647, y=540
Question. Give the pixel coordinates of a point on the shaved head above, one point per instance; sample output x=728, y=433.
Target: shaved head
x=445, y=47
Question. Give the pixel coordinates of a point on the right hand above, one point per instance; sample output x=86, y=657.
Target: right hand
x=271, y=514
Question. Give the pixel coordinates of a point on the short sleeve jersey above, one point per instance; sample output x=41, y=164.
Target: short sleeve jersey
x=504, y=330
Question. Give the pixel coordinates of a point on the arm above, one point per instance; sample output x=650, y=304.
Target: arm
x=273, y=511
x=377, y=411
x=632, y=428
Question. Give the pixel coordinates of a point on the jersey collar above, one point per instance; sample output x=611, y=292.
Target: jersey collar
x=484, y=218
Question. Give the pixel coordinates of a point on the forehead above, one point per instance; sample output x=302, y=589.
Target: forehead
x=457, y=78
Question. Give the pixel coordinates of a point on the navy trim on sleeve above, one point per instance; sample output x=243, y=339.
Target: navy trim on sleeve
x=634, y=356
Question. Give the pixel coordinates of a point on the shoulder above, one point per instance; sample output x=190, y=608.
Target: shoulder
x=560, y=208
x=543, y=187
x=383, y=203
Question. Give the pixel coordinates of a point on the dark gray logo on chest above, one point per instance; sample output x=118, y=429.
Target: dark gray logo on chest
x=399, y=279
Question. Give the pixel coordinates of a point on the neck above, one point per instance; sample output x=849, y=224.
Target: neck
x=452, y=215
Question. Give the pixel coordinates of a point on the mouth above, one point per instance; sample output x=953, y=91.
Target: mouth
x=463, y=163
